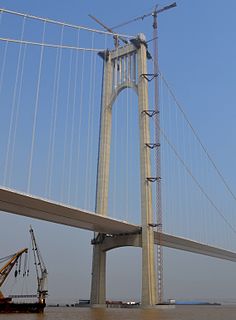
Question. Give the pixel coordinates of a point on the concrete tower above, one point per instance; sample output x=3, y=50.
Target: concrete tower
x=125, y=67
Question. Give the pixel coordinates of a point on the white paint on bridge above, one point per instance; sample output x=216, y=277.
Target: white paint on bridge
x=12, y=201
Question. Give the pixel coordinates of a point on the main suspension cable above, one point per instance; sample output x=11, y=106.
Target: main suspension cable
x=49, y=45
x=29, y=16
x=197, y=137
x=197, y=182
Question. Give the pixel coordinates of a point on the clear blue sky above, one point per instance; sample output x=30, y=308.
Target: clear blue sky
x=197, y=55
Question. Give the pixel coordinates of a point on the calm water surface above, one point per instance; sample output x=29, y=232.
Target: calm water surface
x=179, y=313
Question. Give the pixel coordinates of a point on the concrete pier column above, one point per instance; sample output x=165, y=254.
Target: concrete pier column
x=98, y=285
x=148, y=258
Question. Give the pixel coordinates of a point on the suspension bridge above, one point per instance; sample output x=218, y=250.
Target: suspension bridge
x=86, y=142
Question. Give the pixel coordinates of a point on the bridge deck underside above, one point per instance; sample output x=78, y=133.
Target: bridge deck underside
x=38, y=208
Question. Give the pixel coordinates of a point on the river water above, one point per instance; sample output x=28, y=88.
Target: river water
x=178, y=313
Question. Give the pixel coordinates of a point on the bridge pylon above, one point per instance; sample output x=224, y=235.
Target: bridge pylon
x=125, y=67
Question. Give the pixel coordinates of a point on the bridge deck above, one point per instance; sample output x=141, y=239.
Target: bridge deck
x=34, y=207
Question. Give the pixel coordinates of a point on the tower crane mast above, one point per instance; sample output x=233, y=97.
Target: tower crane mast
x=158, y=162
x=158, y=203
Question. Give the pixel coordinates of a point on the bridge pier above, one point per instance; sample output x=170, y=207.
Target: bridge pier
x=98, y=286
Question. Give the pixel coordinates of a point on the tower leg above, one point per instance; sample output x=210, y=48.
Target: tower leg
x=98, y=284
x=148, y=258
x=98, y=287
x=148, y=269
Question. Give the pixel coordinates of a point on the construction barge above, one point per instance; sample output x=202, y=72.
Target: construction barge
x=7, y=304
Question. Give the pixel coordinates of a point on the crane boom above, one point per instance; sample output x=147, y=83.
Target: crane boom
x=6, y=269
x=115, y=36
x=172, y=5
x=41, y=270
